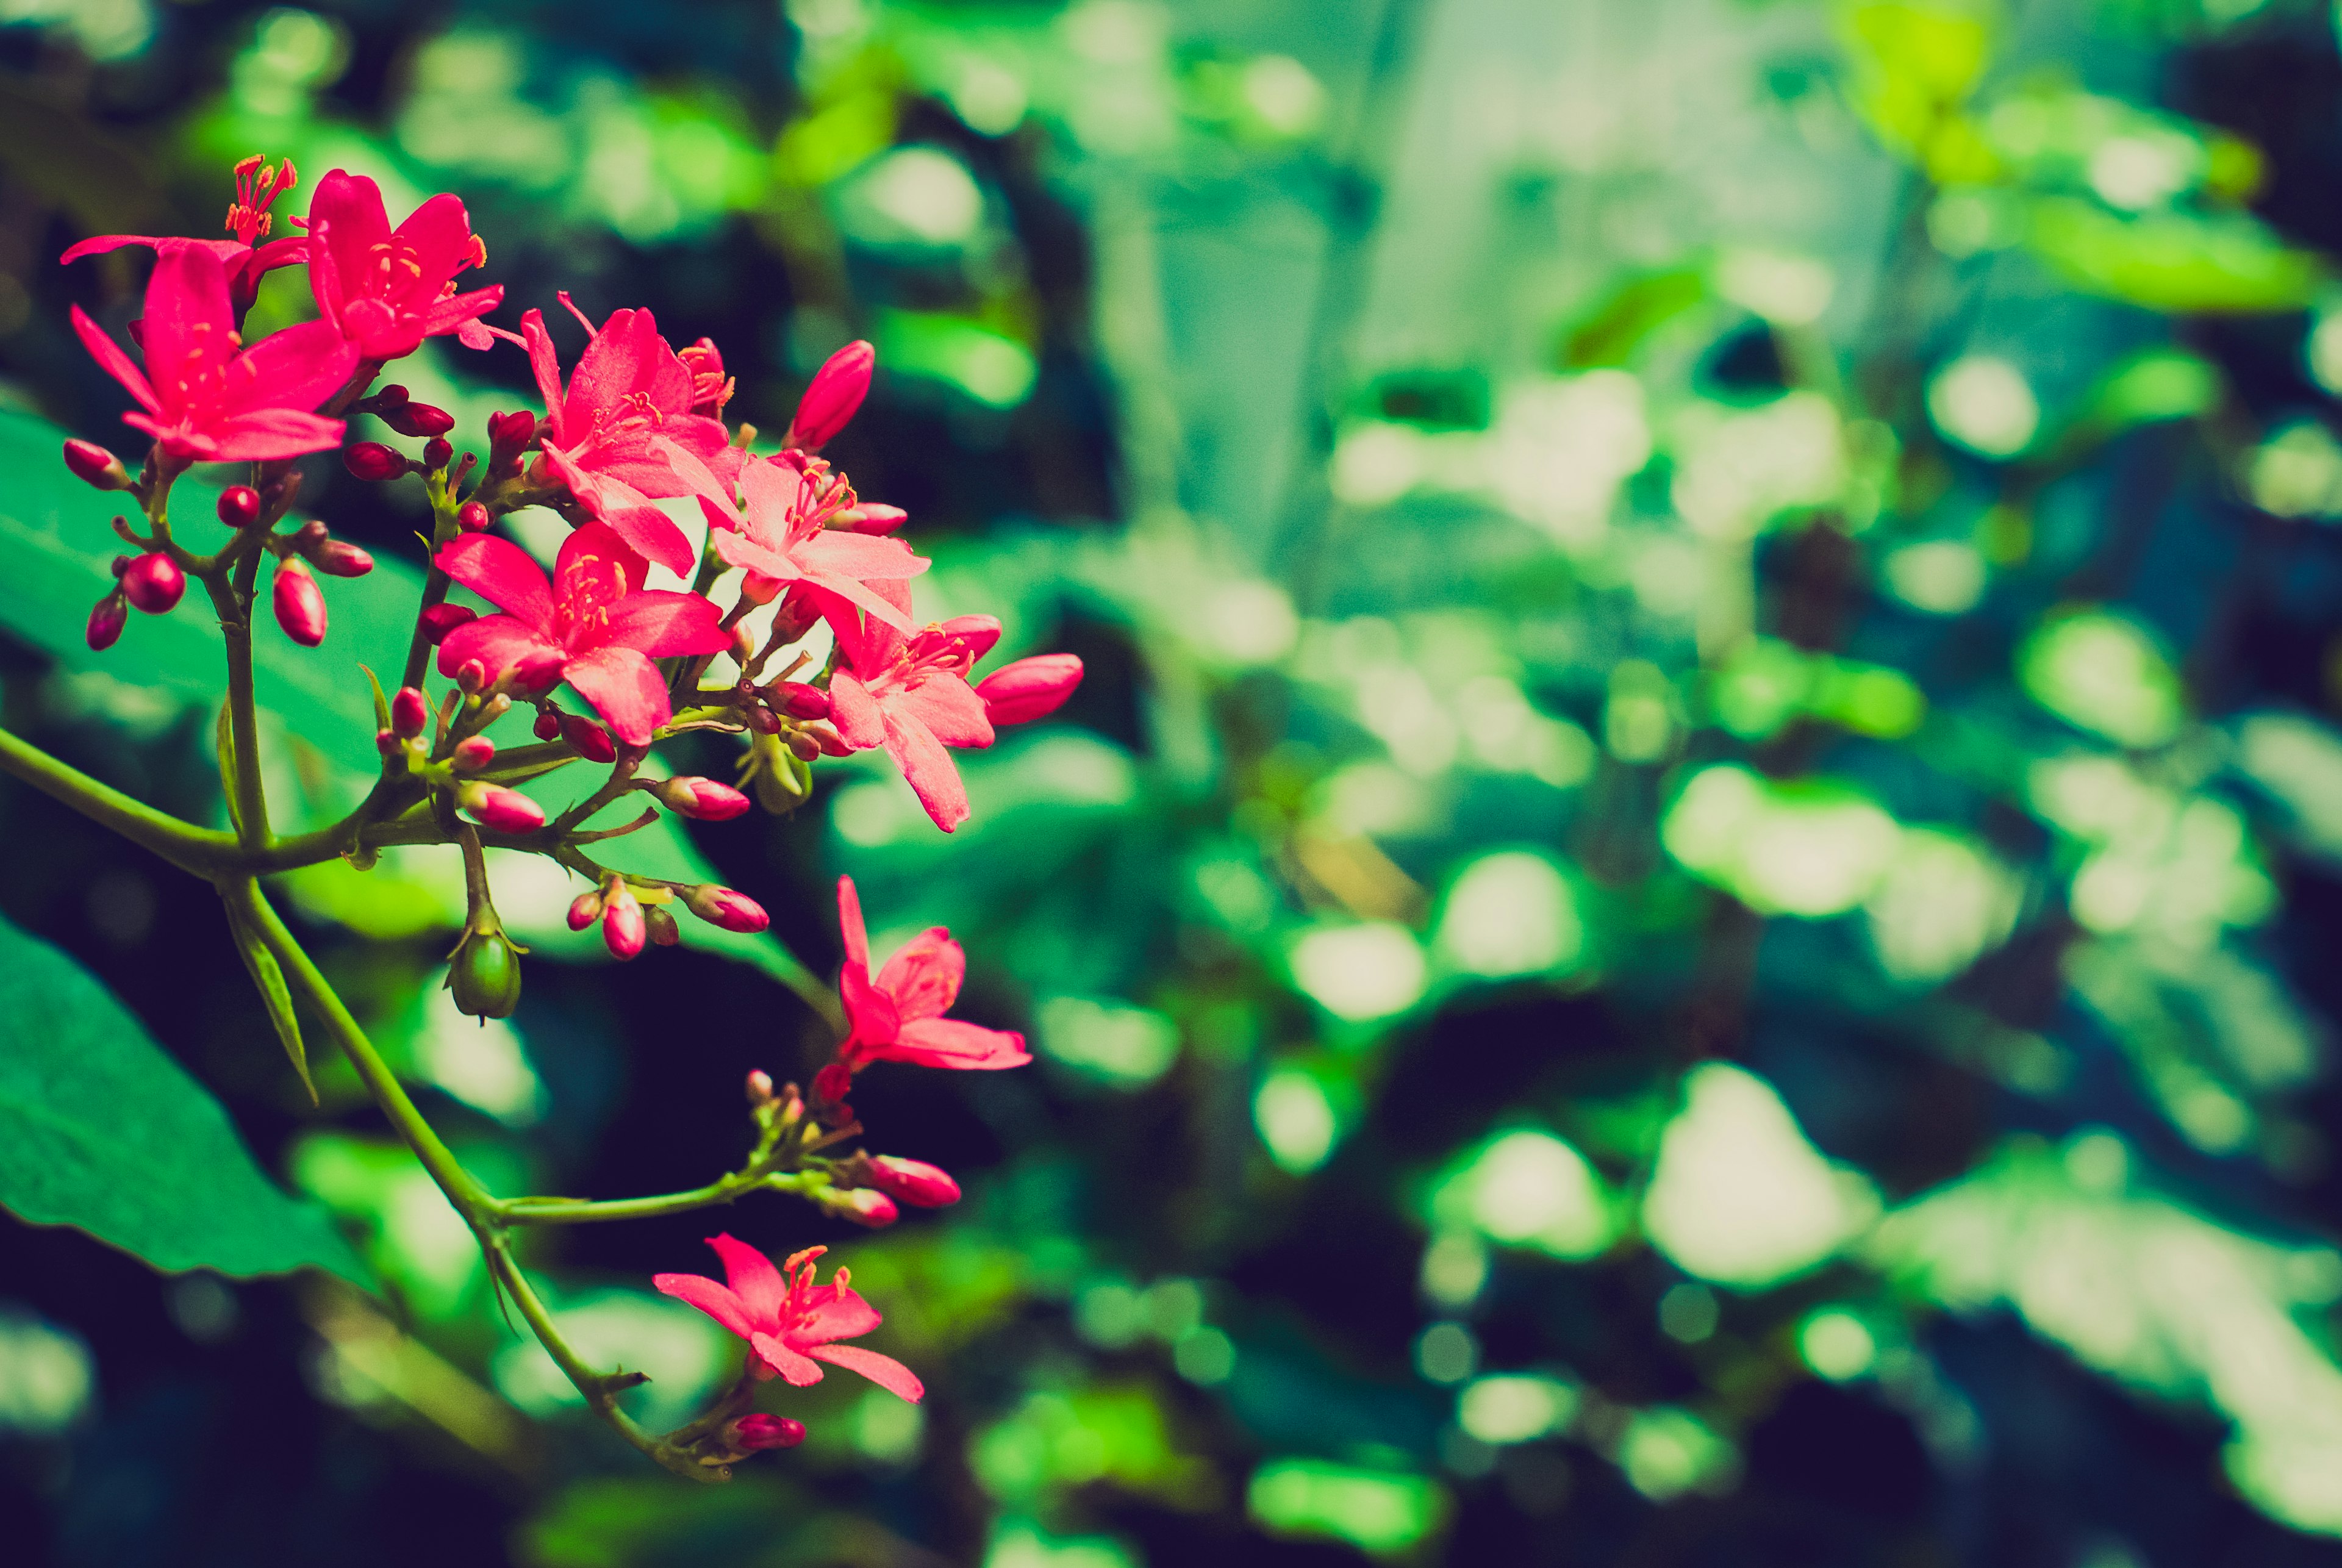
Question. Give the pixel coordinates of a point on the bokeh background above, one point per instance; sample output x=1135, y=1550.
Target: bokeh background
x=1689, y=915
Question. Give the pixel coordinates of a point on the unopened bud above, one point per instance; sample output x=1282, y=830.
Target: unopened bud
x=473, y=518
x=300, y=603
x=863, y=1205
x=409, y=711
x=390, y=396
x=756, y=1431
x=546, y=724
x=700, y=799
x=744, y=645
x=837, y=390
x=339, y=558
x=662, y=926
x=485, y=975
x=585, y=910
x=153, y=582
x=239, y=506
x=802, y=746
x=623, y=930
x=438, y=620
x=797, y=615
x=722, y=907
x=107, y=619
x=800, y=701
x=1029, y=689
x=870, y=518
x=508, y=436
x=372, y=461
x=913, y=1182
x=96, y=467
x=760, y=1086
x=418, y=419
x=437, y=453
x=387, y=742
x=505, y=810
x=474, y=753
x=588, y=739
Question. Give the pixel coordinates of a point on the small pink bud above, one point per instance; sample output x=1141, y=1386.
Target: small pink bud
x=1029, y=689
x=623, y=926
x=700, y=799
x=390, y=396
x=585, y=910
x=833, y=1084
x=418, y=419
x=372, y=461
x=505, y=810
x=106, y=620
x=588, y=739
x=722, y=907
x=870, y=518
x=387, y=742
x=474, y=753
x=239, y=506
x=837, y=390
x=300, y=603
x=437, y=453
x=508, y=436
x=744, y=645
x=662, y=926
x=438, y=620
x=800, y=701
x=863, y=1205
x=914, y=1181
x=470, y=676
x=547, y=726
x=94, y=466
x=803, y=748
x=760, y=1086
x=153, y=582
x=409, y=711
x=756, y=1431
x=339, y=558
x=473, y=518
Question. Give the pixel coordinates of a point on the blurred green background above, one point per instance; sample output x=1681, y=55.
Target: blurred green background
x=1689, y=915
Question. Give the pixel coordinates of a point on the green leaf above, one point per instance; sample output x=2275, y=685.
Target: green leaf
x=268, y=979
x=102, y=1129
x=2183, y=263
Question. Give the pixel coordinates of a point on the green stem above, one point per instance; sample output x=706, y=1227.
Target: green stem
x=232, y=596
x=587, y=1212
x=185, y=845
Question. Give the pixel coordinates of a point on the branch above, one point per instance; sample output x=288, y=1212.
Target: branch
x=192, y=849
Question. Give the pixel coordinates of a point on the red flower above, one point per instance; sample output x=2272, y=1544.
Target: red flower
x=791, y=1323
x=911, y=695
x=388, y=291
x=592, y=626
x=629, y=394
x=244, y=259
x=199, y=396
x=899, y=1016
x=779, y=539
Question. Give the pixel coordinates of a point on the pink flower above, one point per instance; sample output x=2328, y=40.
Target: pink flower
x=791, y=1323
x=899, y=1016
x=779, y=536
x=629, y=395
x=911, y=695
x=592, y=626
x=244, y=260
x=202, y=398
x=836, y=391
x=388, y=290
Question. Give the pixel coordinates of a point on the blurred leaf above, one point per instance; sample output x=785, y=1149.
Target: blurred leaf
x=1628, y=315
x=2184, y=264
x=101, y=1130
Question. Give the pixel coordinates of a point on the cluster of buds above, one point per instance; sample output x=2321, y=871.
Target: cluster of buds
x=632, y=911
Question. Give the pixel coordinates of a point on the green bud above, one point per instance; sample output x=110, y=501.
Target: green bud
x=485, y=975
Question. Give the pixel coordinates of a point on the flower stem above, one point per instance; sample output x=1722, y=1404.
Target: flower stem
x=232, y=596
x=185, y=845
x=586, y=1212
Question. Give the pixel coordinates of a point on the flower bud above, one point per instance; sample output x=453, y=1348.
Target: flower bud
x=485, y=975
x=536, y=671
x=94, y=466
x=798, y=700
x=339, y=558
x=662, y=926
x=387, y=742
x=239, y=506
x=863, y=1205
x=418, y=419
x=438, y=620
x=508, y=436
x=153, y=582
x=588, y=739
x=107, y=619
x=505, y=810
x=390, y=396
x=547, y=726
x=1029, y=689
x=756, y=1431
x=913, y=1182
x=409, y=711
x=723, y=907
x=473, y=518
x=837, y=390
x=744, y=645
x=623, y=926
x=474, y=753
x=799, y=614
x=833, y=1084
x=870, y=518
x=300, y=603
x=372, y=461
x=585, y=909
x=700, y=799
x=437, y=453
x=760, y=1086
x=802, y=746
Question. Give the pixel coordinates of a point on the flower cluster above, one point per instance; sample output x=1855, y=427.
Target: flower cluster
x=805, y=586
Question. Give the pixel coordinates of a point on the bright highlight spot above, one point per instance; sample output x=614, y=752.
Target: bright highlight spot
x=2103, y=674
x=47, y=1375
x=1809, y=847
x=1836, y=1344
x=1295, y=1119
x=1376, y=1510
x=1740, y=1197
x=1527, y=1188
x=1515, y=1409
x=1447, y=1353
x=1512, y=913
x=1126, y=1046
x=1943, y=576
x=1667, y=1452
x=1982, y=402
x=1942, y=904
x=1370, y=970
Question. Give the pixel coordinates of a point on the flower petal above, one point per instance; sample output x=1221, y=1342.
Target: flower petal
x=924, y=974
x=662, y=622
x=856, y=713
x=625, y=688
x=114, y=362
x=502, y=572
x=299, y=367
x=883, y=1370
x=547, y=366
x=709, y=1297
x=949, y=709
x=929, y=770
x=785, y=1361
x=850, y=923
x=753, y=1280
x=844, y=1315
x=957, y=1043
x=187, y=314
x=496, y=642
x=263, y=434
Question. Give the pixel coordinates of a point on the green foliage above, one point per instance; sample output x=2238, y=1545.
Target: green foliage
x=101, y=1130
